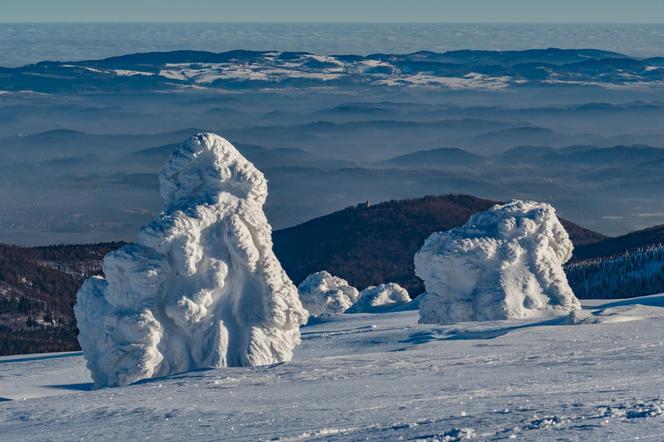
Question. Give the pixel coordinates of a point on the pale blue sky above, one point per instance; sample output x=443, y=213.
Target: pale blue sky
x=640, y=11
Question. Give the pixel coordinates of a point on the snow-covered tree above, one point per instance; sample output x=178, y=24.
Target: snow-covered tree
x=504, y=263
x=376, y=299
x=202, y=287
x=323, y=293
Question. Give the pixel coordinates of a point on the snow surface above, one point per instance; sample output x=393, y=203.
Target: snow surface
x=202, y=287
x=469, y=81
x=273, y=67
x=376, y=299
x=377, y=377
x=322, y=293
x=504, y=263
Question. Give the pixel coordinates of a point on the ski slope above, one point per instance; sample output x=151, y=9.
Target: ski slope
x=378, y=376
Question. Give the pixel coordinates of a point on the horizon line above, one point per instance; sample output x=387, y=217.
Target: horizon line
x=336, y=22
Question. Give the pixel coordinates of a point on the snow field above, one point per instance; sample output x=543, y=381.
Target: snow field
x=378, y=377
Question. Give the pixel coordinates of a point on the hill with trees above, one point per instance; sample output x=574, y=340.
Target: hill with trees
x=370, y=245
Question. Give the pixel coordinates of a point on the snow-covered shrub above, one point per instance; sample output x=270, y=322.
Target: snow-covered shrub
x=379, y=298
x=323, y=293
x=504, y=263
x=202, y=287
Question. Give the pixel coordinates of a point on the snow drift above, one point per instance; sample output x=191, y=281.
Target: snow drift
x=376, y=299
x=504, y=263
x=323, y=293
x=202, y=287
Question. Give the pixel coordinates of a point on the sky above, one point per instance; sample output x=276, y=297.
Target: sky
x=584, y=11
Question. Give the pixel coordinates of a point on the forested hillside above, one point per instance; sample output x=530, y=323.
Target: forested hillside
x=37, y=292
x=636, y=272
x=369, y=245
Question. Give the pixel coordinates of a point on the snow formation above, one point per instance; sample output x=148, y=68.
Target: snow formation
x=322, y=293
x=202, y=287
x=376, y=299
x=368, y=377
x=504, y=263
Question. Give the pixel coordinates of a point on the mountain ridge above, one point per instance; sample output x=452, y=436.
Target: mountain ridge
x=488, y=70
x=608, y=247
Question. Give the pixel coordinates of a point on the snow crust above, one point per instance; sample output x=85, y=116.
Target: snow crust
x=370, y=377
x=201, y=287
x=376, y=299
x=504, y=263
x=322, y=293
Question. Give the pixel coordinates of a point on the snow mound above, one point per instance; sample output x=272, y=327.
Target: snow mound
x=202, y=287
x=322, y=293
x=504, y=263
x=376, y=299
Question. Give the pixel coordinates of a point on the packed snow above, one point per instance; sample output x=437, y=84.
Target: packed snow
x=376, y=299
x=321, y=293
x=504, y=263
x=377, y=377
x=202, y=287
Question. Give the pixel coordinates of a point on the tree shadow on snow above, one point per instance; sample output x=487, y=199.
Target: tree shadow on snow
x=650, y=301
x=40, y=357
x=83, y=386
x=481, y=332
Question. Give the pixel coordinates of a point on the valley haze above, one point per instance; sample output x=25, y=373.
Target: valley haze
x=82, y=141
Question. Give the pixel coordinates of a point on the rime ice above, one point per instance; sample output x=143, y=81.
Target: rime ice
x=202, y=287
x=322, y=293
x=376, y=299
x=504, y=263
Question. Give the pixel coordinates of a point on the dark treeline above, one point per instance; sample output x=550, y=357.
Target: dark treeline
x=633, y=273
x=37, y=294
x=39, y=340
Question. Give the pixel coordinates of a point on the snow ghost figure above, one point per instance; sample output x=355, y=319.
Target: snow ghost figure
x=505, y=263
x=202, y=287
x=322, y=293
x=376, y=299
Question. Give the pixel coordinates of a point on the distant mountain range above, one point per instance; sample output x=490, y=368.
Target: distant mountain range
x=73, y=186
x=444, y=156
x=466, y=69
x=642, y=156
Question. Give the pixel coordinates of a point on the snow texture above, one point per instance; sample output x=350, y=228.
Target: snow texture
x=322, y=293
x=376, y=299
x=377, y=377
x=504, y=263
x=202, y=287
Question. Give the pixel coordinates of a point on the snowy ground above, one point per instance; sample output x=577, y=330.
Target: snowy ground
x=378, y=377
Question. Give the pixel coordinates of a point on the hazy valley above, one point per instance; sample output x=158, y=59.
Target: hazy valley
x=79, y=164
